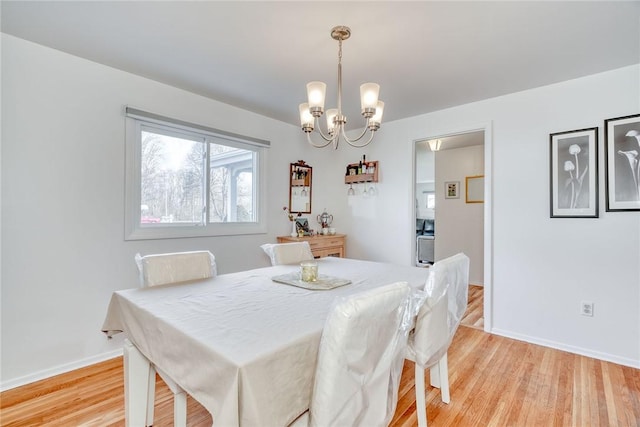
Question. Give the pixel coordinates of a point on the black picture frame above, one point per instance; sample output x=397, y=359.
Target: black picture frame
x=573, y=164
x=303, y=224
x=622, y=162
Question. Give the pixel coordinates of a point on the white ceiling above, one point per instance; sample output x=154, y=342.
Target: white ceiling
x=450, y=142
x=258, y=56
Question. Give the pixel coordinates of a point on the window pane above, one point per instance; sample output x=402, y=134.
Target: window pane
x=172, y=184
x=190, y=181
x=231, y=192
x=244, y=200
x=431, y=201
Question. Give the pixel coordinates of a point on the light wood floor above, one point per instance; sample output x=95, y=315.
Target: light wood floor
x=495, y=381
x=473, y=316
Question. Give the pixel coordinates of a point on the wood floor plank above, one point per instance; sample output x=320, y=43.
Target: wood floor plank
x=473, y=316
x=495, y=381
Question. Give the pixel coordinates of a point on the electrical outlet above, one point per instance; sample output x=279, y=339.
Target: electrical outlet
x=586, y=308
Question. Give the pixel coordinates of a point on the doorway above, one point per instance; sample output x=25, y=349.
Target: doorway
x=446, y=166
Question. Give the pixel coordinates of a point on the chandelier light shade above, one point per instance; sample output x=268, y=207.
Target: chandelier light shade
x=369, y=96
x=331, y=119
x=306, y=119
x=376, y=119
x=316, y=92
x=311, y=111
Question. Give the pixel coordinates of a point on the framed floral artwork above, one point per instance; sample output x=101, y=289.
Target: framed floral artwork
x=574, y=173
x=451, y=190
x=622, y=154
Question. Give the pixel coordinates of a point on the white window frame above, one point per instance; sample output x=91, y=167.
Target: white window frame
x=135, y=121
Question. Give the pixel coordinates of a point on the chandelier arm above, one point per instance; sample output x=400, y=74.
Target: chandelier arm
x=352, y=143
x=318, y=129
x=328, y=141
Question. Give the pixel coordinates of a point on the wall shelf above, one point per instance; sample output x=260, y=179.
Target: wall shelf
x=300, y=182
x=363, y=177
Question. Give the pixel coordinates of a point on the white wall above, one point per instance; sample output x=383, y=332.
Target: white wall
x=425, y=179
x=425, y=163
x=63, y=248
x=542, y=267
x=460, y=225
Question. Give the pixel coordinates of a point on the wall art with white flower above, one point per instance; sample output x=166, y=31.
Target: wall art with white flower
x=622, y=140
x=574, y=173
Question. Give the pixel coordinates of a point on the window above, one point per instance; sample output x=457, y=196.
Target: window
x=184, y=180
x=431, y=200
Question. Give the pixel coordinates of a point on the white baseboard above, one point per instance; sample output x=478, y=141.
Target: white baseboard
x=569, y=348
x=47, y=373
x=61, y=369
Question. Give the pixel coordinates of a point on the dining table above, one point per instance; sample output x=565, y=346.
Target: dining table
x=242, y=344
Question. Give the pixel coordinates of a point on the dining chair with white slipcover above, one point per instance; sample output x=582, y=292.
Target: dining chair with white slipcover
x=360, y=359
x=165, y=269
x=437, y=321
x=287, y=253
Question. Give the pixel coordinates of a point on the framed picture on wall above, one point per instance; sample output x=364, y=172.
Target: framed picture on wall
x=474, y=189
x=622, y=154
x=302, y=224
x=574, y=173
x=451, y=189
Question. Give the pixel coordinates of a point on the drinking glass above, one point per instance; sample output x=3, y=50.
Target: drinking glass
x=309, y=271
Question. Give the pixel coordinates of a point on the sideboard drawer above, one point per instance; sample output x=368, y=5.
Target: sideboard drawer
x=321, y=246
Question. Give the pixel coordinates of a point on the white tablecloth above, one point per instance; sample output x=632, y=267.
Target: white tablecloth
x=242, y=345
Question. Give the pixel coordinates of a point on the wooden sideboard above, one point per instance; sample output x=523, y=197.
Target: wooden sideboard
x=321, y=246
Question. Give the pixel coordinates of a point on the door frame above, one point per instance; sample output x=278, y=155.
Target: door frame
x=488, y=204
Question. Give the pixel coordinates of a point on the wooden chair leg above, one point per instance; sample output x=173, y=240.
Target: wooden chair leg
x=151, y=397
x=421, y=404
x=136, y=385
x=180, y=409
x=443, y=368
x=434, y=376
x=179, y=401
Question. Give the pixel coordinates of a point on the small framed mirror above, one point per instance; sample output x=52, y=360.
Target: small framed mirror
x=300, y=175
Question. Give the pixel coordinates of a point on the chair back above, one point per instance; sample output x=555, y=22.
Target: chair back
x=161, y=269
x=438, y=319
x=288, y=253
x=360, y=359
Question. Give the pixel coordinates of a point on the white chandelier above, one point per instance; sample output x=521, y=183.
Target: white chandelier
x=311, y=111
